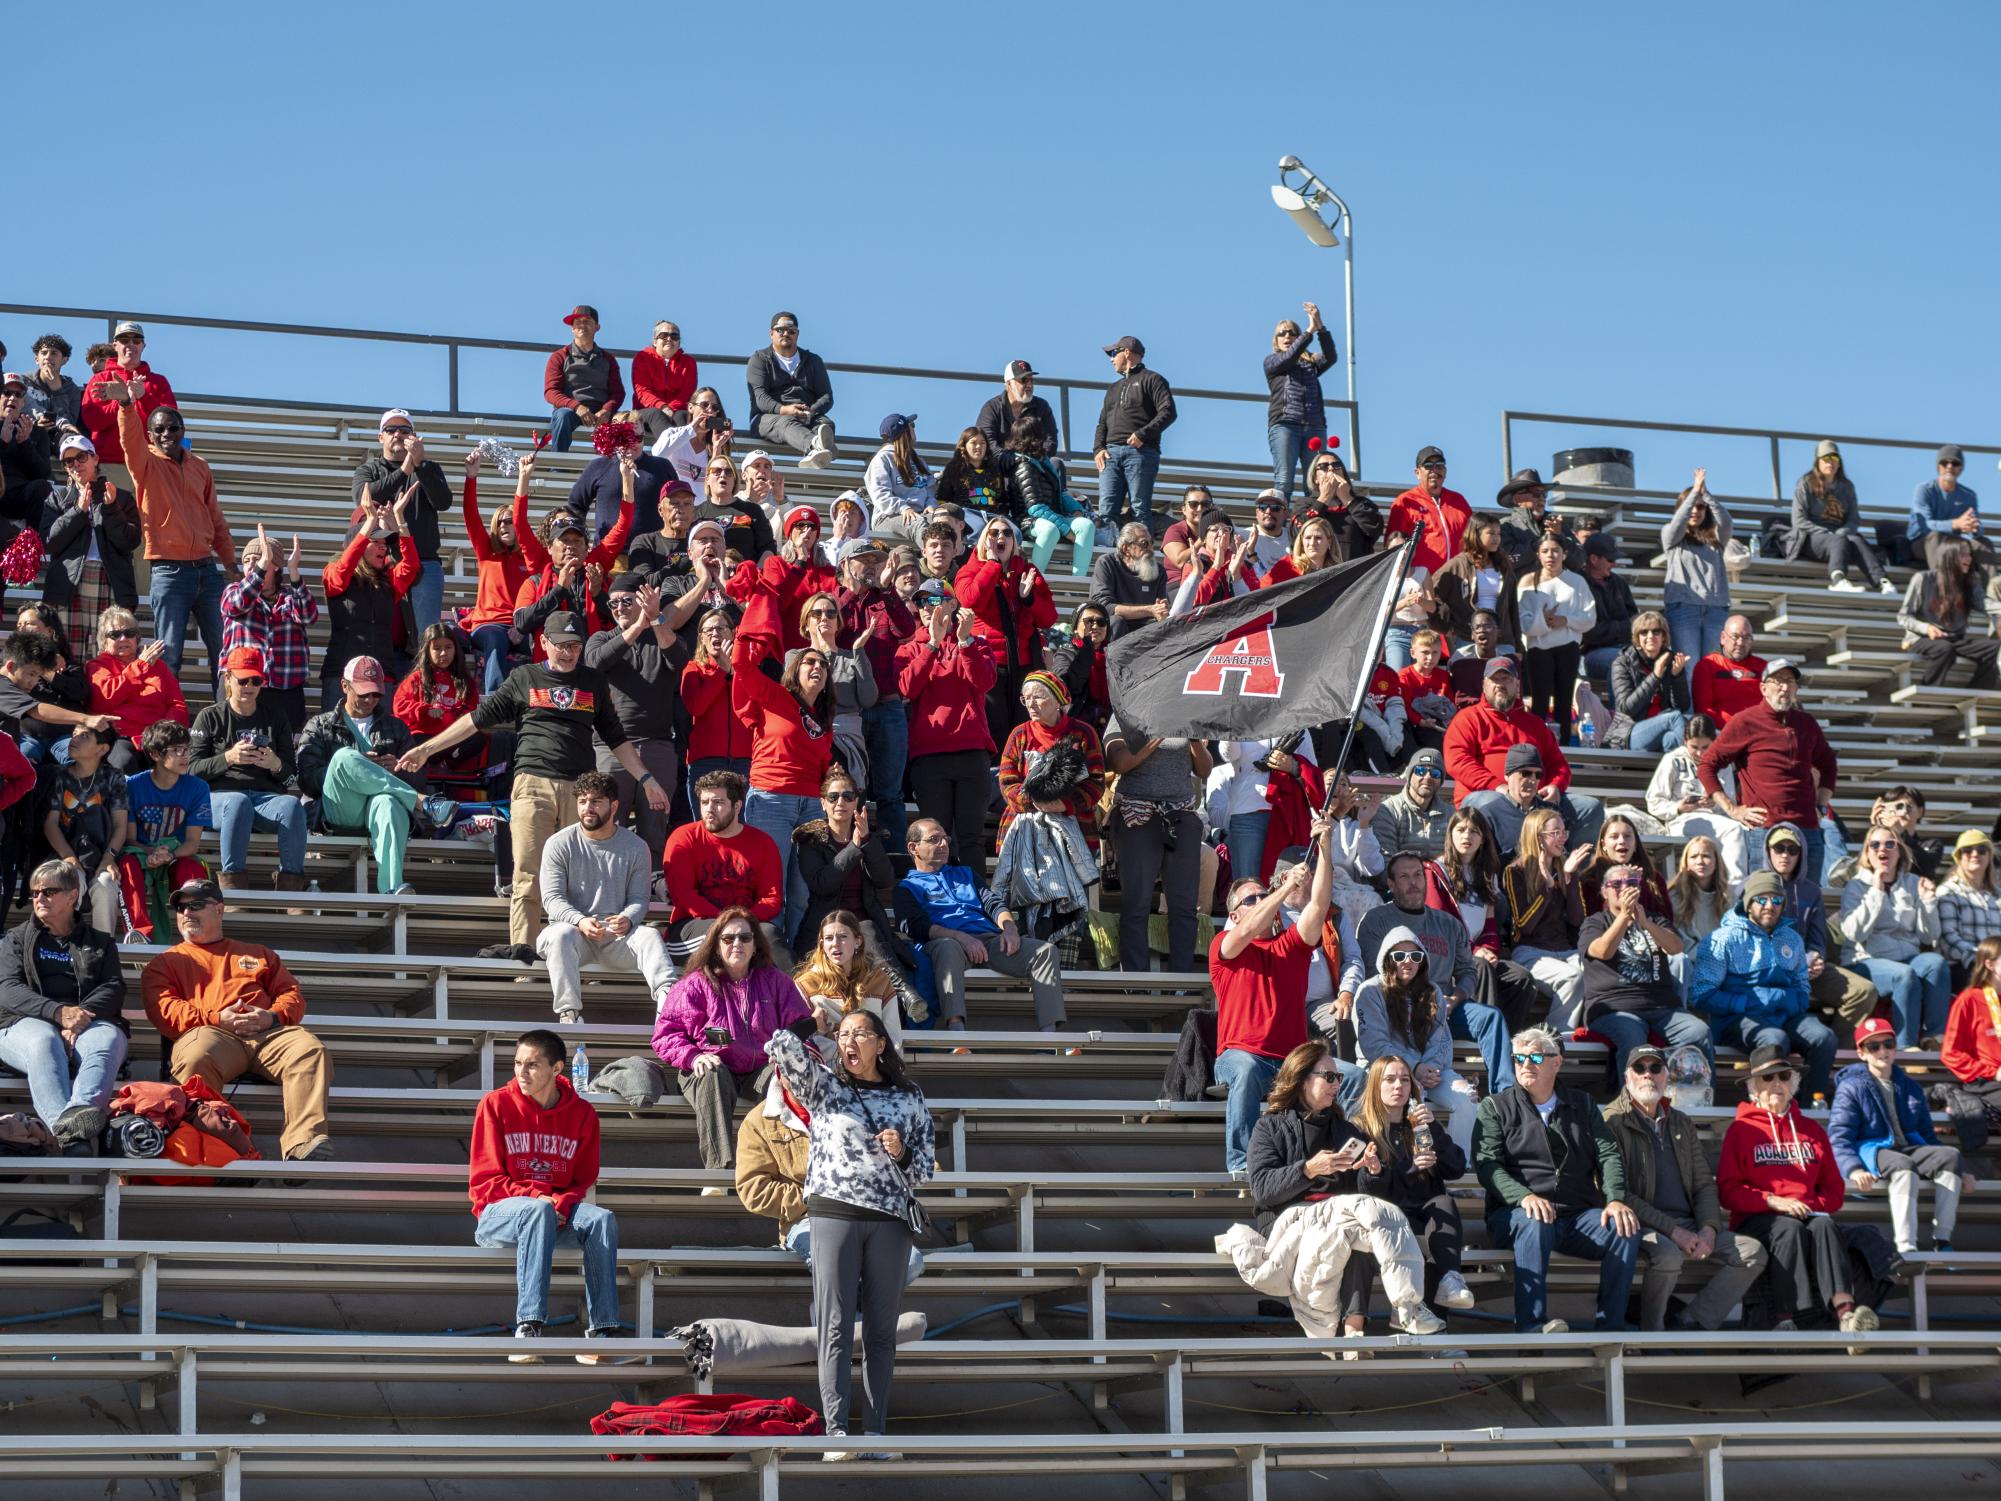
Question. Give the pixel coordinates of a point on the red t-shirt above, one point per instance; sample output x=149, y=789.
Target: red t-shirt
x=1261, y=994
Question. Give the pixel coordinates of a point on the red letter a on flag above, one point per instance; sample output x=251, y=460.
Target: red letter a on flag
x=1250, y=652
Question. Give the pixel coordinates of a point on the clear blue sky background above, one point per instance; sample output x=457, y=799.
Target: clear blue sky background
x=1742, y=214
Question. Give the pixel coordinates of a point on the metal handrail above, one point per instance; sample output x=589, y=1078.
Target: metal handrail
x=453, y=343
x=1772, y=435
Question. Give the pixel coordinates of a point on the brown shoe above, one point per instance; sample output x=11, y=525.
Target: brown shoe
x=284, y=881
x=230, y=880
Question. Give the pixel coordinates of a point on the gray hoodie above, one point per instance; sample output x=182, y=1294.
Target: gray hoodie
x=1695, y=572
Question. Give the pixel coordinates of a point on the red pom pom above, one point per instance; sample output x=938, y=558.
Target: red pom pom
x=542, y=439
x=1313, y=444
x=21, y=563
x=1332, y=441
x=615, y=437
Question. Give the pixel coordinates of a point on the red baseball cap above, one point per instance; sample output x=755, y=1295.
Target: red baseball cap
x=1875, y=1026
x=244, y=659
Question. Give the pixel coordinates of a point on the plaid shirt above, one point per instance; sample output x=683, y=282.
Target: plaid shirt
x=1966, y=914
x=276, y=627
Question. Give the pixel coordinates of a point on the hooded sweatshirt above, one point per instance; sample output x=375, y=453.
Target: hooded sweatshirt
x=523, y=1150
x=1804, y=908
x=1787, y=1155
x=1741, y=970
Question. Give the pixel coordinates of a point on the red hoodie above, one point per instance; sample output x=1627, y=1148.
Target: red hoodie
x=993, y=594
x=707, y=874
x=946, y=688
x=1477, y=743
x=522, y=1150
x=789, y=750
x=1787, y=1155
x=1972, y=1040
x=714, y=730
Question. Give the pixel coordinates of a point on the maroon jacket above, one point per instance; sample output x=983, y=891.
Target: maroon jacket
x=1775, y=756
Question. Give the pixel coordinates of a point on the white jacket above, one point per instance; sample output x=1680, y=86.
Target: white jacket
x=1675, y=779
x=1566, y=595
x=1309, y=1248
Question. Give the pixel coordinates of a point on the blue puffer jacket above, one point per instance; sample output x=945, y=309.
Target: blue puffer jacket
x=1741, y=970
x=1859, y=1124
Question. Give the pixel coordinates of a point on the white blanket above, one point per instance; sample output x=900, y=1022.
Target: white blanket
x=1309, y=1248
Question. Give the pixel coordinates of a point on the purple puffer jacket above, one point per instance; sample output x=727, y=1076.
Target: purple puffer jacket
x=751, y=1010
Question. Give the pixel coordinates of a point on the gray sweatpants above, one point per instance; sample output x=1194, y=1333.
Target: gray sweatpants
x=858, y=1262
x=1036, y=961
x=712, y=1096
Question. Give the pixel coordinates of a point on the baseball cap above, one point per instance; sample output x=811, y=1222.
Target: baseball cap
x=707, y=524
x=1874, y=1026
x=895, y=423
x=933, y=590
x=1017, y=370
x=1429, y=454
x=628, y=582
x=677, y=487
x=561, y=627
x=190, y=892
x=582, y=310
x=1522, y=757
x=127, y=327
x=1127, y=343
x=1951, y=453
x=1827, y=448
x=395, y=414
x=364, y=670
x=855, y=547
x=1498, y=665
x=1645, y=1050
x=1601, y=545
x=14, y=378
x=1784, y=664
x=244, y=659
x=75, y=443
x=567, y=521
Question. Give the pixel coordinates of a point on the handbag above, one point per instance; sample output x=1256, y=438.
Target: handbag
x=914, y=1214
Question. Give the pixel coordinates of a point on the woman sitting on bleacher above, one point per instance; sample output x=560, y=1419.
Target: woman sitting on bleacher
x=842, y=976
x=1418, y=1165
x=1542, y=909
x=1619, y=844
x=1969, y=903
x=1827, y=523
x=503, y=569
x=1889, y=918
x=133, y=686
x=842, y=867
x=1398, y=1014
x=1679, y=805
x=1700, y=892
x=1945, y=619
x=1649, y=689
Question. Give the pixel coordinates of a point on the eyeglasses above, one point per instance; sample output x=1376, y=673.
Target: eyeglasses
x=1406, y=956
x=1271, y=505
x=930, y=839
x=1649, y=1067
x=245, y=682
x=666, y=338
x=1880, y=844
x=1249, y=899
x=733, y=940
x=1326, y=1073
x=367, y=698
x=705, y=406
x=1092, y=623
x=1535, y=1060
x=1952, y=464
x=849, y=796
x=121, y=635
x=399, y=431
x=1779, y=1075
x=48, y=893
x=1431, y=466
x=1652, y=630
x=201, y=906
x=1621, y=886
x=1784, y=847
x=785, y=328
x=1881, y=1045
x=824, y=612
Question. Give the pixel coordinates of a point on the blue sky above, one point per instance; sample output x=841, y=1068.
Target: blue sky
x=1750, y=215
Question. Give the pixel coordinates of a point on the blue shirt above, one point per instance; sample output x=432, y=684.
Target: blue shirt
x=160, y=813
x=948, y=898
x=1933, y=510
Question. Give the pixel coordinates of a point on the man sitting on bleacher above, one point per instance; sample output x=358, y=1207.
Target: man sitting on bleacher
x=596, y=877
x=719, y=862
x=1477, y=744
x=347, y=759
x=229, y=1008
x=1725, y=682
x=534, y=1158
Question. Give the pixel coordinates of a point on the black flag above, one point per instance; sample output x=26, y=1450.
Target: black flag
x=1261, y=665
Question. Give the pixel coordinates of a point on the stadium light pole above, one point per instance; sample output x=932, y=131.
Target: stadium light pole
x=1306, y=205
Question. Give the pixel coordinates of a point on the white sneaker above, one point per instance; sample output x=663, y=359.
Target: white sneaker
x=525, y=1355
x=714, y=1192
x=820, y=455
x=1886, y=587
x=837, y=1456
x=1556, y=1326
x=1840, y=584
x=1414, y=1318
x=1860, y=1319
x=1355, y=1354
x=1453, y=1292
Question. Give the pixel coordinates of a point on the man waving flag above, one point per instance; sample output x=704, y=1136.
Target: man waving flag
x=1262, y=665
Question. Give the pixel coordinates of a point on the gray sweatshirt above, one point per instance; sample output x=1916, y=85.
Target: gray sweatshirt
x=585, y=877
x=1443, y=937
x=1695, y=573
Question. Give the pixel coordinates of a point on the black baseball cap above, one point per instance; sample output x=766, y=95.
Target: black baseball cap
x=562, y=626
x=192, y=893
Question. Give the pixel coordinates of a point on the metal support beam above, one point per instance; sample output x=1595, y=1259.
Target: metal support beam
x=186, y=1394
x=1712, y=1473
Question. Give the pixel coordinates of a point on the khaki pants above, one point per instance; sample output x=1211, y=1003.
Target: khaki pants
x=1844, y=992
x=541, y=806
x=290, y=1057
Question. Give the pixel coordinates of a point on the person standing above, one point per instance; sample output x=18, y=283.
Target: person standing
x=1695, y=593
x=581, y=382
x=91, y=528
x=1297, y=413
x=1157, y=835
x=1139, y=407
x=128, y=370
x=382, y=481
x=641, y=658
x=1444, y=512
x=1785, y=768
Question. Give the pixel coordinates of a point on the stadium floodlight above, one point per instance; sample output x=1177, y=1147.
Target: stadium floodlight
x=1305, y=200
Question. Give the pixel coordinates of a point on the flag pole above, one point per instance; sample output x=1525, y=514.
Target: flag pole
x=1376, y=638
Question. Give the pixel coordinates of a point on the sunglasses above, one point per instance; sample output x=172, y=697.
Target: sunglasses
x=1881, y=1045
x=121, y=635
x=1781, y=1075
x=1768, y=901
x=247, y=682
x=841, y=797
x=398, y=432
x=666, y=338
x=1535, y=1059
x=824, y=612
x=1326, y=1073
x=1428, y=771
x=1622, y=886
x=49, y=893
x=364, y=698
x=1651, y=1066
x=1952, y=464
x=733, y=940
x=785, y=328
x=1406, y=956
x=1249, y=899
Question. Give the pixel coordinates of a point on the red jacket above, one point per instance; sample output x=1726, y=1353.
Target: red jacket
x=404, y=568
x=1215, y=585
x=522, y=1150
x=1444, y=521
x=1477, y=742
x=135, y=693
x=1414, y=685
x=1787, y=1155
x=501, y=574
x=17, y=774
x=714, y=730
x=793, y=583
x=667, y=384
x=1008, y=624
x=100, y=412
x=552, y=382
x=1775, y=756
x=1721, y=687
x=707, y=874
x=946, y=688
x=789, y=750
x=1972, y=1044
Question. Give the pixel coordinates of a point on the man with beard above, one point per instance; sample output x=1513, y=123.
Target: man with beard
x=1129, y=583
x=1672, y=1192
x=719, y=862
x=1479, y=757
x=596, y=877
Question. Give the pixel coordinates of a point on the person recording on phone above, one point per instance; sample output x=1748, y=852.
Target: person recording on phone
x=243, y=750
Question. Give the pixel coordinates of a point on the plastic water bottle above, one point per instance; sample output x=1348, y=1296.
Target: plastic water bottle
x=580, y=1069
x=1587, y=731
x=1420, y=1139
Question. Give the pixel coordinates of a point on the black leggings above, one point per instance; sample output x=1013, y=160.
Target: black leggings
x=1551, y=674
x=1981, y=653
x=954, y=787
x=1809, y=1262
x=1435, y=1222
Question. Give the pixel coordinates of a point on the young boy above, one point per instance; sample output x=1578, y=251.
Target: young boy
x=1427, y=689
x=86, y=822
x=168, y=810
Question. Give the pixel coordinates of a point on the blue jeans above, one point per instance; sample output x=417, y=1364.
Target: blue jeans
x=181, y=589
x=529, y=1225
x=799, y=1241
x=1246, y=838
x=1125, y=487
x=1663, y=732
x=1396, y=646
x=1487, y=1029
x=563, y=424
x=238, y=814
x=1813, y=1037
x=1627, y=1030
x=1582, y=1232
x=36, y=1048
x=1919, y=990
x=1288, y=452
x=778, y=814
x=1598, y=665
x=1248, y=1077
x=491, y=642
x=427, y=597
x=1695, y=630
x=43, y=750
x=886, y=733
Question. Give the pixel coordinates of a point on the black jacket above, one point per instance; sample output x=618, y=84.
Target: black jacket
x=824, y=864
x=1403, y=1185
x=1073, y=663
x=1634, y=687
x=327, y=732
x=100, y=979
x=385, y=482
x=1138, y=402
x=1281, y=1142
x=1522, y=533
x=997, y=420
x=643, y=677
x=363, y=620
x=771, y=388
x=1456, y=587
x=1573, y=1162
x=66, y=533
x=1193, y=1068
x=1636, y=1149
x=1616, y=609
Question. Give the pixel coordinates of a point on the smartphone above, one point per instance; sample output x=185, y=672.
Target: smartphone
x=716, y=1037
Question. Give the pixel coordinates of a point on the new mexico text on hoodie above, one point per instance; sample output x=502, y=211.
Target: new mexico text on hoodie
x=524, y=1150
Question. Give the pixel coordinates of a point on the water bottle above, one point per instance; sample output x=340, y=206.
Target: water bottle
x=580, y=1069
x=1420, y=1139
x=1587, y=730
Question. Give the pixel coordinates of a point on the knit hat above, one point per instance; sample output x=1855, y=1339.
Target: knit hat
x=1762, y=883
x=798, y=514
x=1053, y=683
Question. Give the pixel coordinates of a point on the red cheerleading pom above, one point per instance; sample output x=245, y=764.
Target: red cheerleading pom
x=1313, y=444
x=1332, y=441
x=21, y=563
x=615, y=437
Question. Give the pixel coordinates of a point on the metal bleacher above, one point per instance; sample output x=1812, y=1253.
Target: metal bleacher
x=302, y=1329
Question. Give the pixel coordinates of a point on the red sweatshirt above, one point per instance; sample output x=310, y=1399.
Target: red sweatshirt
x=1972, y=1042
x=714, y=730
x=666, y=384
x=945, y=688
x=1444, y=521
x=1414, y=685
x=447, y=703
x=994, y=597
x=501, y=574
x=1721, y=687
x=789, y=750
x=707, y=873
x=1775, y=756
x=522, y=1150
x=794, y=585
x=1787, y=1155
x=1477, y=743
x=1216, y=585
